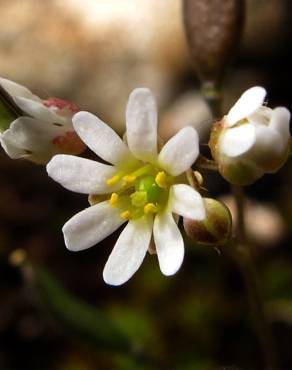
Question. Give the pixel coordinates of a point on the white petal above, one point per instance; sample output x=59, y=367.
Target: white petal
x=15, y=89
x=280, y=122
x=247, y=104
x=80, y=174
x=269, y=143
x=187, y=202
x=129, y=251
x=27, y=134
x=237, y=140
x=101, y=139
x=91, y=225
x=180, y=152
x=38, y=110
x=141, y=121
x=169, y=243
x=9, y=147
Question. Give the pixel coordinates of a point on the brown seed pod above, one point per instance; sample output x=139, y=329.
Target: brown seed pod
x=213, y=29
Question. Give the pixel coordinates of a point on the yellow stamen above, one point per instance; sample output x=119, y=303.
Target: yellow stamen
x=161, y=180
x=113, y=180
x=150, y=208
x=126, y=215
x=141, y=171
x=129, y=179
x=113, y=201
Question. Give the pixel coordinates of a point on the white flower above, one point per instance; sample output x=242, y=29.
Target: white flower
x=44, y=129
x=140, y=187
x=252, y=139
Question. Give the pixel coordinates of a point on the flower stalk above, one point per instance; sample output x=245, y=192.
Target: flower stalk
x=243, y=258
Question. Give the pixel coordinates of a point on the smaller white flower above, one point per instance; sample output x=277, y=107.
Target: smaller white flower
x=44, y=129
x=252, y=139
x=140, y=186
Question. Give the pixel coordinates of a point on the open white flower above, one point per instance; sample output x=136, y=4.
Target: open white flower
x=252, y=139
x=44, y=129
x=140, y=187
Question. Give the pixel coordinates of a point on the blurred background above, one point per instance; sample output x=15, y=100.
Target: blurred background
x=56, y=312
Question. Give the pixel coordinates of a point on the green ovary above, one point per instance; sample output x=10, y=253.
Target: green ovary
x=144, y=191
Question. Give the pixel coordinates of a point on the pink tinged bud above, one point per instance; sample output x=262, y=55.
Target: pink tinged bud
x=61, y=104
x=215, y=229
x=69, y=143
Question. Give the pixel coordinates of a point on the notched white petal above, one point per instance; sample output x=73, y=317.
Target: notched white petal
x=247, y=104
x=91, y=226
x=169, y=243
x=236, y=141
x=15, y=89
x=81, y=175
x=38, y=110
x=101, y=139
x=180, y=152
x=187, y=202
x=129, y=251
x=25, y=135
x=141, y=122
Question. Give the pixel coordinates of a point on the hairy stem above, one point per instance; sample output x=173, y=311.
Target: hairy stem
x=244, y=260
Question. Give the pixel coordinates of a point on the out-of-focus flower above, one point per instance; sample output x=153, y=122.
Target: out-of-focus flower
x=264, y=224
x=44, y=129
x=141, y=187
x=252, y=139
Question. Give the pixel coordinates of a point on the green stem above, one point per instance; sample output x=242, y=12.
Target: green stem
x=245, y=263
x=211, y=91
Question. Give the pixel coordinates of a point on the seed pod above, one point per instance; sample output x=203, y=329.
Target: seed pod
x=213, y=29
x=215, y=229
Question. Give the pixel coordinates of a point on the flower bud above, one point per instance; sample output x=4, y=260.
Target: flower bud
x=215, y=229
x=213, y=30
x=251, y=140
x=36, y=129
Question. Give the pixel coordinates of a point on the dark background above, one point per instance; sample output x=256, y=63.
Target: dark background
x=55, y=311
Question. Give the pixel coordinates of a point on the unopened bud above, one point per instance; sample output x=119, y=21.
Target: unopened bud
x=33, y=128
x=251, y=140
x=215, y=229
x=213, y=30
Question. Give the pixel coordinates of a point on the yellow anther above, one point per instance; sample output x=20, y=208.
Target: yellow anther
x=126, y=215
x=113, y=201
x=129, y=179
x=149, y=208
x=161, y=180
x=113, y=180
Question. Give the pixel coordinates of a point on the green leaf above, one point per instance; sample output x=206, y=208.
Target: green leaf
x=77, y=316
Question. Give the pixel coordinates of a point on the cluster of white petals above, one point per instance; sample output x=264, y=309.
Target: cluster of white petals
x=44, y=129
x=254, y=134
x=139, y=185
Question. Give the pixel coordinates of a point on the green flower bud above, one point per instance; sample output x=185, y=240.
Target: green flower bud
x=215, y=229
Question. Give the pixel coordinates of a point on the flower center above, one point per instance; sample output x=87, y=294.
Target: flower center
x=143, y=191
